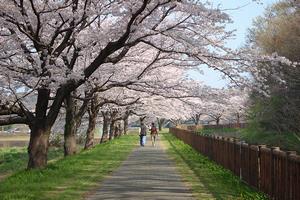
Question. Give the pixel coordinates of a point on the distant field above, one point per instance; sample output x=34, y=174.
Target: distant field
x=14, y=138
x=20, y=140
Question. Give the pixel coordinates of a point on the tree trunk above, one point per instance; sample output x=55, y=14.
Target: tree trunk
x=217, y=121
x=125, y=128
x=197, y=119
x=40, y=132
x=38, y=147
x=116, y=130
x=106, y=122
x=111, y=130
x=90, y=133
x=70, y=127
x=238, y=120
x=120, y=128
x=93, y=113
x=160, y=122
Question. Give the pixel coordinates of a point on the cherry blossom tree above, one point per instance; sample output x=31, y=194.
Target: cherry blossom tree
x=238, y=105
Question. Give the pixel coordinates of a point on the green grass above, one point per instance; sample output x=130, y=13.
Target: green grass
x=14, y=159
x=207, y=179
x=68, y=178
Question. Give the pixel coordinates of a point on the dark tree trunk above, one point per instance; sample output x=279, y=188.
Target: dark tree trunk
x=40, y=132
x=38, y=147
x=111, y=129
x=120, y=128
x=116, y=130
x=93, y=113
x=238, y=120
x=125, y=128
x=106, y=122
x=90, y=133
x=70, y=127
x=197, y=119
x=160, y=122
x=218, y=121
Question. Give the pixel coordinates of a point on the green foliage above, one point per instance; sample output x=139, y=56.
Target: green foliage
x=68, y=178
x=208, y=180
x=278, y=30
x=258, y=135
x=225, y=132
x=267, y=113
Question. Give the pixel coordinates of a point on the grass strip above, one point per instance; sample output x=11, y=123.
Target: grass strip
x=14, y=159
x=207, y=179
x=68, y=178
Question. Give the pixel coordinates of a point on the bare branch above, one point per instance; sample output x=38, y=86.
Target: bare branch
x=12, y=120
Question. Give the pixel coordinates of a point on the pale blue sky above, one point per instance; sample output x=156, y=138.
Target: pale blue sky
x=242, y=20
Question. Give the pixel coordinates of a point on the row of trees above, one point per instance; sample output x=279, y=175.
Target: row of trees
x=81, y=56
x=227, y=106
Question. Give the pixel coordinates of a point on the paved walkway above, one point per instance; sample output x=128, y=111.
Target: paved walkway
x=148, y=173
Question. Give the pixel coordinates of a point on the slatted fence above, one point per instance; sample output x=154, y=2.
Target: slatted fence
x=270, y=170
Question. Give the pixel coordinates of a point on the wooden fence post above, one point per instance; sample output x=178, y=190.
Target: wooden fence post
x=273, y=171
x=287, y=174
x=241, y=159
x=235, y=143
x=259, y=165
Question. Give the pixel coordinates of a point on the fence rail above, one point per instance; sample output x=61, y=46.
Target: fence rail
x=270, y=170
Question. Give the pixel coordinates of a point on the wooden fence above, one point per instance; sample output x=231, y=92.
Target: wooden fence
x=270, y=170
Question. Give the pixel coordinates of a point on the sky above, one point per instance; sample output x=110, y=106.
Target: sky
x=242, y=12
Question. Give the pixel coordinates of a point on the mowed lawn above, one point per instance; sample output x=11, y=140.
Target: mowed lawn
x=69, y=178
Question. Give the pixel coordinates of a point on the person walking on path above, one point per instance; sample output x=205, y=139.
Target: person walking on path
x=143, y=134
x=153, y=133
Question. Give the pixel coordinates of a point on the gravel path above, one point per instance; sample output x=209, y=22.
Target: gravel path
x=148, y=173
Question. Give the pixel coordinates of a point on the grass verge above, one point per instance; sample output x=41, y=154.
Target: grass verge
x=68, y=178
x=14, y=159
x=207, y=179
